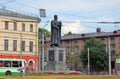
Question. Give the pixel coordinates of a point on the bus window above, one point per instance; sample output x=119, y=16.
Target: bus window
x=7, y=63
x=15, y=64
x=1, y=63
x=20, y=63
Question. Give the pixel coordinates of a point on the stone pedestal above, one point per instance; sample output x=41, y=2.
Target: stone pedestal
x=56, y=59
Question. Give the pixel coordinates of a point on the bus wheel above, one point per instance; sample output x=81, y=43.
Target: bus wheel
x=8, y=73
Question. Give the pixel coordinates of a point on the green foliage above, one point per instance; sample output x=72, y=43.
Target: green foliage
x=46, y=32
x=69, y=33
x=98, y=55
x=74, y=59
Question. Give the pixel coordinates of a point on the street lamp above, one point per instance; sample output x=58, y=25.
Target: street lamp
x=20, y=45
x=109, y=55
x=88, y=61
x=43, y=35
x=42, y=14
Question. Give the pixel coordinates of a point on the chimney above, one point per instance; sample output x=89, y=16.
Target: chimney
x=98, y=30
x=114, y=32
x=83, y=34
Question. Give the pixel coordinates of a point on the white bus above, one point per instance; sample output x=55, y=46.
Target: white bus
x=11, y=66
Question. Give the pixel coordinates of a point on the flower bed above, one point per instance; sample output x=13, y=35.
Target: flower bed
x=50, y=72
x=61, y=72
x=75, y=73
x=58, y=73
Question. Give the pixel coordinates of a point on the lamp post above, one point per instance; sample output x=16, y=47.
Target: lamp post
x=20, y=45
x=43, y=36
x=88, y=61
x=42, y=14
x=109, y=55
x=43, y=49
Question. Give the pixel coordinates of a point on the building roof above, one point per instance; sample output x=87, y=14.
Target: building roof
x=18, y=16
x=89, y=35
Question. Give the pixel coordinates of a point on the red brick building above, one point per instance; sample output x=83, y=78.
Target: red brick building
x=75, y=43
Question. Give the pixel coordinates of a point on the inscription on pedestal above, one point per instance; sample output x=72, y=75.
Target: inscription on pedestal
x=51, y=55
x=60, y=55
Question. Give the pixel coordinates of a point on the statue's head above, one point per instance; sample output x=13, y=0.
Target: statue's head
x=55, y=17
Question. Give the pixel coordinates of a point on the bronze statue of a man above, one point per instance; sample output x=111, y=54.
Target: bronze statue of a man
x=55, y=32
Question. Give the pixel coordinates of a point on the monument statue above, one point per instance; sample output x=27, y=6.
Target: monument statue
x=56, y=55
x=55, y=32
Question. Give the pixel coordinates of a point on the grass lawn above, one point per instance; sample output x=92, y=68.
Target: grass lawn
x=61, y=77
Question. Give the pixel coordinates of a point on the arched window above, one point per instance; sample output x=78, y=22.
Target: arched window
x=31, y=64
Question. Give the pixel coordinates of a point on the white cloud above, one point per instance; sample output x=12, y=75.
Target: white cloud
x=78, y=5
x=74, y=27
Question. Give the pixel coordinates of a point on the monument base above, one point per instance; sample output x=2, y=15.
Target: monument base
x=56, y=59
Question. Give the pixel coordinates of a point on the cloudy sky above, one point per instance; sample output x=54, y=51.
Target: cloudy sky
x=77, y=16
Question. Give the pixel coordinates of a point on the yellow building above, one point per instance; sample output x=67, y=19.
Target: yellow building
x=18, y=37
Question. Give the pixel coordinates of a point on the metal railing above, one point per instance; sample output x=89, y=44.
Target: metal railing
x=5, y=12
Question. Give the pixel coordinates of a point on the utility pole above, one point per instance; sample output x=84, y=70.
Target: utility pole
x=109, y=55
x=43, y=49
x=43, y=36
x=88, y=61
x=42, y=14
x=20, y=45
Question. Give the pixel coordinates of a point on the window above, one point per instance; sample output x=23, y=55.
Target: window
x=68, y=43
x=15, y=26
x=112, y=49
x=16, y=64
x=23, y=46
x=67, y=49
x=31, y=27
x=31, y=64
x=6, y=44
x=1, y=63
x=14, y=45
x=112, y=40
x=76, y=49
x=6, y=25
x=23, y=26
x=31, y=46
x=76, y=42
x=7, y=63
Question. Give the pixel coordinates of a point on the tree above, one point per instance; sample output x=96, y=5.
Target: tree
x=46, y=32
x=74, y=59
x=98, y=55
x=69, y=33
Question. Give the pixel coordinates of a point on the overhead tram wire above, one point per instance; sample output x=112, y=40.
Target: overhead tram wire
x=7, y=2
x=49, y=10
x=67, y=14
x=115, y=22
x=60, y=13
x=26, y=5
